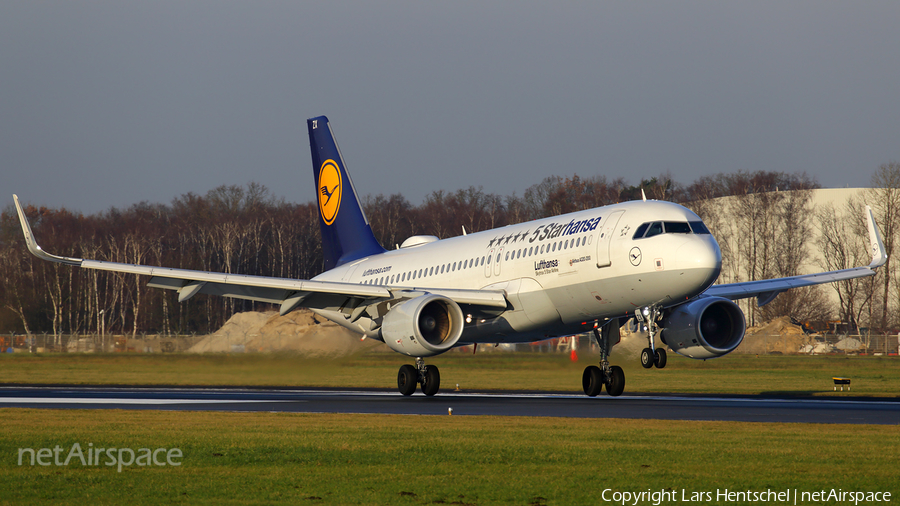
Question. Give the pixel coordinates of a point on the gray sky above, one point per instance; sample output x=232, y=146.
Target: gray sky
x=110, y=103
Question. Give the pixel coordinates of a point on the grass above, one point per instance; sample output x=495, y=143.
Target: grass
x=732, y=374
x=263, y=458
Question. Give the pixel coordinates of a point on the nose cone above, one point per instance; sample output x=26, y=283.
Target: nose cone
x=701, y=260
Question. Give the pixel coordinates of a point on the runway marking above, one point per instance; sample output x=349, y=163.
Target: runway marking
x=353, y=393
x=107, y=400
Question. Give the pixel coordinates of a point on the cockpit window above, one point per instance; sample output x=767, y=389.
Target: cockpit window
x=677, y=227
x=698, y=227
x=650, y=229
x=640, y=231
x=655, y=229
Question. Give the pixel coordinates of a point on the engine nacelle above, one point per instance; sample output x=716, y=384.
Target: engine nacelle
x=708, y=327
x=423, y=326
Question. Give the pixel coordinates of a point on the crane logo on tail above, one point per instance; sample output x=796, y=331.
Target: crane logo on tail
x=329, y=191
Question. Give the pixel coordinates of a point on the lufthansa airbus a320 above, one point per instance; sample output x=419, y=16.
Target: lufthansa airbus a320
x=585, y=271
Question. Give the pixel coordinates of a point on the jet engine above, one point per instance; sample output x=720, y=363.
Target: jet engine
x=423, y=326
x=708, y=327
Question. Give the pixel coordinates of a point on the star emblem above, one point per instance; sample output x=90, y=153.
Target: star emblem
x=492, y=242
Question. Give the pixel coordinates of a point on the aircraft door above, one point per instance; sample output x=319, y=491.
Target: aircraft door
x=497, y=259
x=349, y=273
x=607, y=227
x=487, y=263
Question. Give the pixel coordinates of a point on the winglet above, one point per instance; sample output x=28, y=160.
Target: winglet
x=879, y=255
x=33, y=245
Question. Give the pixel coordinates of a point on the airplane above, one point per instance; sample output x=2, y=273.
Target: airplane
x=587, y=271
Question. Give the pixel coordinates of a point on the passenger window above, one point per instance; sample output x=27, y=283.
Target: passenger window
x=640, y=231
x=677, y=227
x=654, y=229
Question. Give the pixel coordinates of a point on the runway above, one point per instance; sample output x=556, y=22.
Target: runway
x=854, y=410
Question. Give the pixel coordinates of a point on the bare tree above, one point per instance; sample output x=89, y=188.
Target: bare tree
x=843, y=247
x=884, y=198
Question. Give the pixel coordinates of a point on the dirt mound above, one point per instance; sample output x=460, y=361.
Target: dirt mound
x=235, y=334
x=849, y=344
x=632, y=344
x=778, y=335
x=299, y=331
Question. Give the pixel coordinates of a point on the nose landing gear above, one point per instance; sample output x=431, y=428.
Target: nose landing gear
x=650, y=356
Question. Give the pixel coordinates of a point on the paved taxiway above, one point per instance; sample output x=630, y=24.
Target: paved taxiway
x=749, y=409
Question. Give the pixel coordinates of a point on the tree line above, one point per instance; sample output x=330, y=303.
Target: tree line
x=762, y=230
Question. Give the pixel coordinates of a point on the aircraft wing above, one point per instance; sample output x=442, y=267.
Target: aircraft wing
x=766, y=290
x=290, y=293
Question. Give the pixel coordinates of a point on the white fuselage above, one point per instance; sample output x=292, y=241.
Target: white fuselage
x=560, y=274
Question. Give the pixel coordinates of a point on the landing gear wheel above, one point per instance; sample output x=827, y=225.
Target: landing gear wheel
x=660, y=359
x=432, y=382
x=592, y=380
x=616, y=382
x=647, y=358
x=407, y=379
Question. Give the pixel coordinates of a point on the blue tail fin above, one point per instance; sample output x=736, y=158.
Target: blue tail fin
x=346, y=234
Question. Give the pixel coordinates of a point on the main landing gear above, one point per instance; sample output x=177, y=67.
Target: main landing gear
x=426, y=375
x=650, y=356
x=612, y=376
